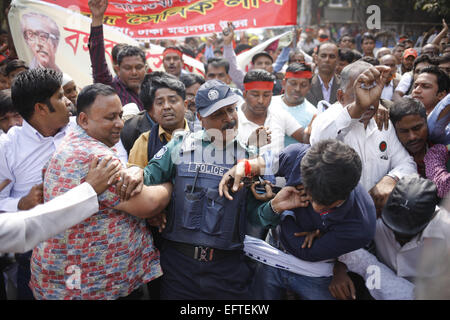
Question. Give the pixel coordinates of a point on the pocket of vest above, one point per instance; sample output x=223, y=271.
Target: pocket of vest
x=213, y=212
x=192, y=207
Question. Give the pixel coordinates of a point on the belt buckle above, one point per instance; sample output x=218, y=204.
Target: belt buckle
x=203, y=253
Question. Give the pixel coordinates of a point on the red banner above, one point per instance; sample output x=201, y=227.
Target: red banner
x=143, y=19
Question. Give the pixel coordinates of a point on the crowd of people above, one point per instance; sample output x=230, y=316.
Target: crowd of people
x=290, y=180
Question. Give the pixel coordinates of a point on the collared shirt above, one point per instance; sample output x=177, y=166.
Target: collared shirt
x=303, y=113
x=112, y=250
x=279, y=121
x=326, y=92
x=139, y=152
x=381, y=152
x=388, y=91
x=404, y=259
x=23, y=154
x=100, y=70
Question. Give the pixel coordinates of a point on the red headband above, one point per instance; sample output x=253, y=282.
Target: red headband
x=178, y=52
x=259, y=85
x=299, y=75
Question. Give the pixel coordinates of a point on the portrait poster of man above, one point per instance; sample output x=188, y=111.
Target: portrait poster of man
x=41, y=33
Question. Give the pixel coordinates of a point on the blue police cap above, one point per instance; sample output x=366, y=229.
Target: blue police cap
x=212, y=96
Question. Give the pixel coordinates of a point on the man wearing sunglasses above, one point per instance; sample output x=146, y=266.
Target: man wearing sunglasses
x=42, y=35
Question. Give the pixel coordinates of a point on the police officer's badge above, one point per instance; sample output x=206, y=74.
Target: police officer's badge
x=213, y=94
x=160, y=153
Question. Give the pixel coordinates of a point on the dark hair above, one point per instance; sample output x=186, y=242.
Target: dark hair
x=188, y=51
x=190, y=79
x=406, y=106
x=130, y=51
x=442, y=59
x=293, y=53
x=330, y=170
x=115, y=51
x=33, y=86
x=297, y=67
x=258, y=75
x=6, y=104
x=218, y=50
x=88, y=94
x=217, y=62
x=373, y=61
x=261, y=54
x=14, y=65
x=367, y=35
x=347, y=55
x=347, y=35
x=443, y=79
x=241, y=47
x=424, y=58
x=157, y=80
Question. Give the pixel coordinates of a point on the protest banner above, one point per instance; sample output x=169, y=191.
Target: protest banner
x=64, y=43
x=141, y=19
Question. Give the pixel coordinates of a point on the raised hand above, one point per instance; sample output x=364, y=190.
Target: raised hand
x=368, y=87
x=229, y=35
x=98, y=9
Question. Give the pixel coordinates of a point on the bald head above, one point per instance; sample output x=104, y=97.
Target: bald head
x=430, y=49
x=382, y=52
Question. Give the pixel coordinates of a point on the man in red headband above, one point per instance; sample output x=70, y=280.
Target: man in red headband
x=296, y=84
x=173, y=61
x=255, y=113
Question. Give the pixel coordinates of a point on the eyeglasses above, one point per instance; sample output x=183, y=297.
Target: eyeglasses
x=30, y=35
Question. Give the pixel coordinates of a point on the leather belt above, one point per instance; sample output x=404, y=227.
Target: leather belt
x=200, y=253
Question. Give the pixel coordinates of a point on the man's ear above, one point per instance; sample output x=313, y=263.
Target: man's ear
x=41, y=109
x=116, y=68
x=83, y=120
x=199, y=117
x=186, y=104
x=340, y=96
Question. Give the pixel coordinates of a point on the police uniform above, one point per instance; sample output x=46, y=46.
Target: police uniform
x=202, y=255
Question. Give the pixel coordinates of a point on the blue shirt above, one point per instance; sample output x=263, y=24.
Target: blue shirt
x=344, y=229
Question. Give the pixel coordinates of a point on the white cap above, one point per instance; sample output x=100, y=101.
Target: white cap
x=66, y=79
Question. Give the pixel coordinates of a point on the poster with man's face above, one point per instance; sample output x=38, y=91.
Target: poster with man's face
x=41, y=34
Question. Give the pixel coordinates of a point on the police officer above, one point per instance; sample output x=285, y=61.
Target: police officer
x=202, y=254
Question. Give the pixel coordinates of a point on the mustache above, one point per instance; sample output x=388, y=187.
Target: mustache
x=413, y=142
x=229, y=125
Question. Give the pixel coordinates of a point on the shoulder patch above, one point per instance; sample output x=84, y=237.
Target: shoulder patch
x=160, y=153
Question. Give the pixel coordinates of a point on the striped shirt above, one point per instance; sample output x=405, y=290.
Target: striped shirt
x=100, y=70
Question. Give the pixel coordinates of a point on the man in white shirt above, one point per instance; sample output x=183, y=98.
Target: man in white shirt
x=394, y=78
x=350, y=120
x=411, y=222
x=255, y=113
x=20, y=232
x=296, y=84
